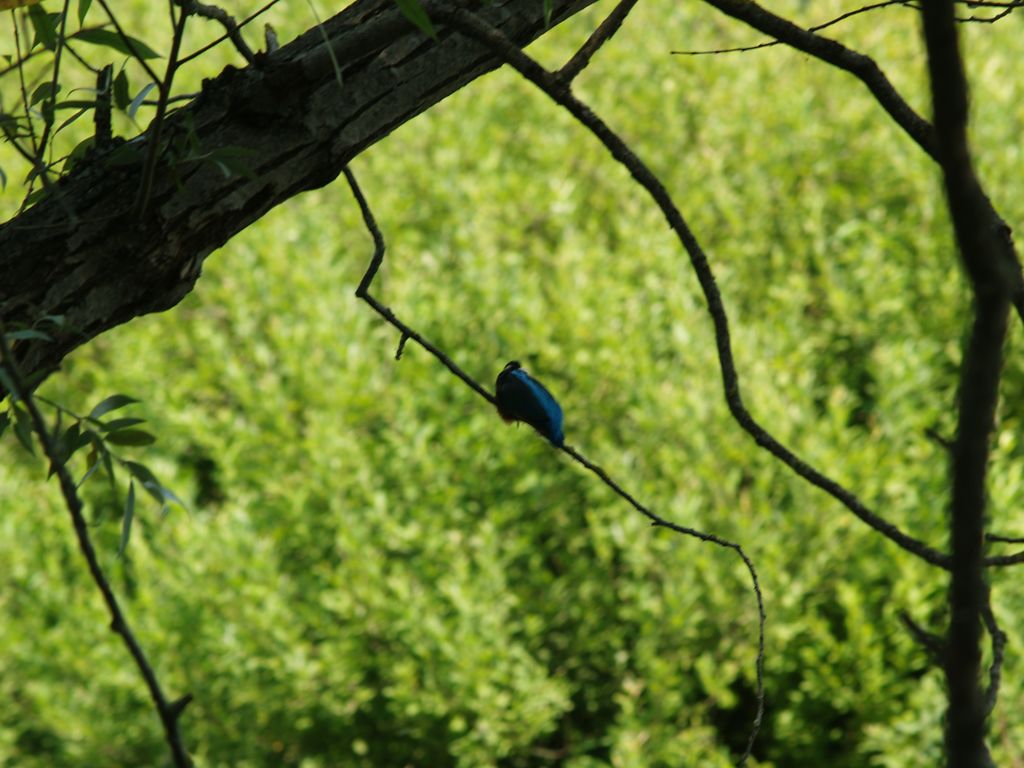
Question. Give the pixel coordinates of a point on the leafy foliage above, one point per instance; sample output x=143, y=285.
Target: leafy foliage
x=378, y=571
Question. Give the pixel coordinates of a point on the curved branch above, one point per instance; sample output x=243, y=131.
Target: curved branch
x=363, y=292
x=559, y=92
x=169, y=712
x=838, y=55
x=816, y=28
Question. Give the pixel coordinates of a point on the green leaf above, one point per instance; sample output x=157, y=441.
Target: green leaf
x=137, y=101
x=116, y=425
x=143, y=474
x=57, y=320
x=548, y=8
x=45, y=26
x=129, y=515
x=82, y=104
x=3, y=179
x=36, y=196
x=109, y=404
x=80, y=149
x=5, y=419
x=26, y=334
x=65, y=445
x=121, y=90
x=131, y=437
x=92, y=461
x=44, y=91
x=159, y=492
x=83, y=9
x=23, y=429
x=413, y=11
x=111, y=39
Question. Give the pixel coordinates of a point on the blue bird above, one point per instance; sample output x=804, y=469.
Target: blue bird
x=522, y=398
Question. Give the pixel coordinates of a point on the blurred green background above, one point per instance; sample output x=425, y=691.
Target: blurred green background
x=376, y=571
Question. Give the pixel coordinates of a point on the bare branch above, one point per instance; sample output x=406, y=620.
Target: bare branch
x=52, y=98
x=930, y=641
x=168, y=712
x=838, y=55
x=226, y=20
x=129, y=43
x=225, y=36
x=363, y=292
x=560, y=93
x=598, y=37
x=146, y=184
x=815, y=28
x=1004, y=539
x=998, y=652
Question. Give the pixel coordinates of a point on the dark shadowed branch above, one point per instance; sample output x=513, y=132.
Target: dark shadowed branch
x=363, y=292
x=598, y=37
x=559, y=92
x=870, y=74
x=232, y=30
x=980, y=243
x=169, y=711
x=998, y=638
x=838, y=55
x=815, y=28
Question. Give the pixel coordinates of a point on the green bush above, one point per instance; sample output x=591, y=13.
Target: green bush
x=375, y=570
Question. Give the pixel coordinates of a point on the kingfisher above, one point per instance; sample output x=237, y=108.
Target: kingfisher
x=520, y=397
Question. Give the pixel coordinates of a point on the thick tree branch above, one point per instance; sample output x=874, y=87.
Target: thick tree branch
x=285, y=114
x=980, y=240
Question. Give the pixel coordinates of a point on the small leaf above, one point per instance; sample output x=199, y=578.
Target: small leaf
x=83, y=9
x=129, y=515
x=160, y=493
x=115, y=425
x=94, y=464
x=143, y=474
x=121, y=90
x=57, y=320
x=137, y=101
x=111, y=39
x=23, y=429
x=547, y=13
x=169, y=496
x=131, y=437
x=80, y=149
x=35, y=197
x=44, y=91
x=26, y=334
x=109, y=404
x=45, y=26
x=413, y=11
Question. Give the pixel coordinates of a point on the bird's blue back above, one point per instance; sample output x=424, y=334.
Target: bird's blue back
x=537, y=407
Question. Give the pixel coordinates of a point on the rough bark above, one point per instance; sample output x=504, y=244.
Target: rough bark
x=83, y=254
